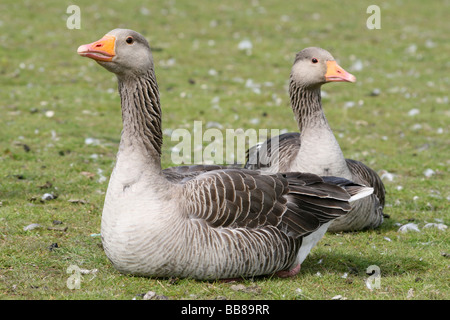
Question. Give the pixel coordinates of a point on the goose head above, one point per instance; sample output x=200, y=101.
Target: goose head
x=314, y=67
x=121, y=51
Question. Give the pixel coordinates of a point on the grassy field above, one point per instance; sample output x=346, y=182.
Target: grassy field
x=60, y=127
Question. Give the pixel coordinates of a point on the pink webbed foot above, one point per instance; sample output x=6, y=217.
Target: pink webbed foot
x=288, y=273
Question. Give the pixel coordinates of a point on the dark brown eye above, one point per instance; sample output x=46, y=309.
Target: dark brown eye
x=129, y=40
x=314, y=60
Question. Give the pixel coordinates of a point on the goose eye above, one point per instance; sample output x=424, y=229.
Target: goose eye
x=129, y=40
x=314, y=60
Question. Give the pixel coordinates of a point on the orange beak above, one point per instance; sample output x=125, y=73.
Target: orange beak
x=336, y=73
x=102, y=50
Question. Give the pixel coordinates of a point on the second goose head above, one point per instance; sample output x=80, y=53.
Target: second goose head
x=315, y=66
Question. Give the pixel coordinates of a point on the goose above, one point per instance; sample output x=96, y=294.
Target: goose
x=204, y=222
x=315, y=149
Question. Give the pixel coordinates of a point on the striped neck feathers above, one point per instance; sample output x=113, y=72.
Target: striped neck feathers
x=141, y=112
x=307, y=106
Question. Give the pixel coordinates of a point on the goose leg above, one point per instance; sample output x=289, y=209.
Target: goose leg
x=288, y=273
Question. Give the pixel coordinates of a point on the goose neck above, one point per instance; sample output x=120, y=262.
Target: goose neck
x=141, y=116
x=307, y=106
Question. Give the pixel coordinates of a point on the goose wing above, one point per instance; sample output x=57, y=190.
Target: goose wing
x=185, y=173
x=317, y=200
x=236, y=198
x=295, y=203
x=263, y=155
x=369, y=177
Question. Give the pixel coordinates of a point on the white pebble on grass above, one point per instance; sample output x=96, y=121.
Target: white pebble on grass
x=214, y=124
x=87, y=271
x=254, y=121
x=439, y=226
x=47, y=196
x=357, y=66
x=149, y=295
x=101, y=178
x=349, y=104
x=31, y=226
x=215, y=100
x=339, y=297
x=429, y=172
x=409, y=227
x=212, y=72
x=91, y=141
x=246, y=45
x=256, y=88
x=385, y=175
x=411, y=49
x=49, y=113
x=144, y=11
x=413, y=112
x=430, y=43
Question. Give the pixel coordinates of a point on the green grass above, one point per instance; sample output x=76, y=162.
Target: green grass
x=407, y=60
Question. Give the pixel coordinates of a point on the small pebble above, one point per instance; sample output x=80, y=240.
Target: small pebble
x=31, y=226
x=91, y=141
x=47, y=196
x=409, y=227
x=149, y=295
x=87, y=271
x=49, y=113
x=439, y=226
x=246, y=45
x=237, y=287
x=429, y=172
x=214, y=124
x=375, y=92
x=413, y=112
x=357, y=66
x=339, y=297
x=386, y=175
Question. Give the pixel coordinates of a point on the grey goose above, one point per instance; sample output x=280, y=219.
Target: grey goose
x=203, y=221
x=315, y=149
